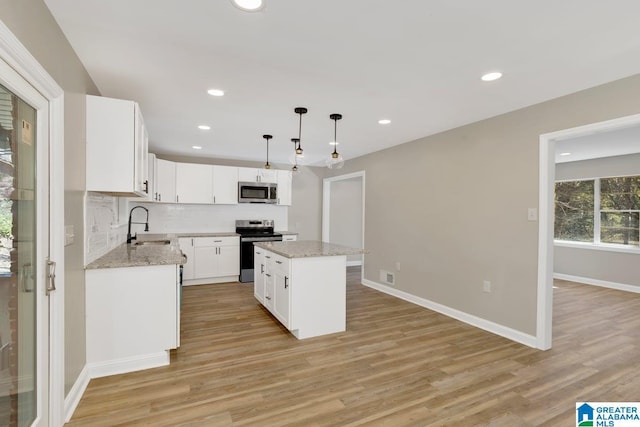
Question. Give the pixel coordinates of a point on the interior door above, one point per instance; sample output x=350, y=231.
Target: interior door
x=24, y=249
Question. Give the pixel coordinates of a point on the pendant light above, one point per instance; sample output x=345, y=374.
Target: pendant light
x=335, y=160
x=300, y=111
x=267, y=137
x=295, y=154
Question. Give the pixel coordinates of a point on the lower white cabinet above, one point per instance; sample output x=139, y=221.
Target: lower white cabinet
x=133, y=317
x=210, y=259
x=307, y=295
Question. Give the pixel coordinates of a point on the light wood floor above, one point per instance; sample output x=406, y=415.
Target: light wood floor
x=397, y=365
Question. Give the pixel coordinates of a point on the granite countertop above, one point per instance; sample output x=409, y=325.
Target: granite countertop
x=131, y=255
x=308, y=248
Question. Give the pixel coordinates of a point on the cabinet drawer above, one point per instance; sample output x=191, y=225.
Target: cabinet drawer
x=216, y=241
x=279, y=263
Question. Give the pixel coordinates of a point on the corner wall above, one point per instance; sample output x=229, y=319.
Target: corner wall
x=452, y=207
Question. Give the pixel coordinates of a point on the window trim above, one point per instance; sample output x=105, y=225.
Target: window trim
x=606, y=247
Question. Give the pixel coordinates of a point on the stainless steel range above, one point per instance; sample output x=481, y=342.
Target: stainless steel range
x=253, y=230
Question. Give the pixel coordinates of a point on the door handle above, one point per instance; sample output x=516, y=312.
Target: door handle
x=51, y=276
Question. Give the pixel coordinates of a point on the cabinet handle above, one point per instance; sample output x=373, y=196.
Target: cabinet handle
x=159, y=197
x=177, y=199
x=214, y=200
x=269, y=298
x=261, y=268
x=217, y=241
x=267, y=256
x=278, y=262
x=268, y=275
x=146, y=186
x=286, y=282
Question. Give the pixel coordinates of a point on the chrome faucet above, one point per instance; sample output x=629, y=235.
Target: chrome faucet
x=146, y=224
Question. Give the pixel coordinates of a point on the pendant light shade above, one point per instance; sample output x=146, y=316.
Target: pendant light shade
x=300, y=111
x=267, y=137
x=335, y=160
x=295, y=154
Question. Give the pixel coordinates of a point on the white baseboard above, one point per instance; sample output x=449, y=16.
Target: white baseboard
x=353, y=263
x=75, y=394
x=130, y=364
x=478, y=322
x=598, y=282
x=210, y=280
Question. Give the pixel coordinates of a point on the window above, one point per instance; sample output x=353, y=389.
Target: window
x=602, y=210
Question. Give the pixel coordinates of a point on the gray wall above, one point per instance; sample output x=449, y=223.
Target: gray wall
x=31, y=22
x=452, y=207
x=346, y=214
x=592, y=263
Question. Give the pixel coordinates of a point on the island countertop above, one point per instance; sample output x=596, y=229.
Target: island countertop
x=132, y=255
x=308, y=248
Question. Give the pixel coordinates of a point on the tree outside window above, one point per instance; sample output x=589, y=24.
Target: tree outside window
x=574, y=211
x=620, y=210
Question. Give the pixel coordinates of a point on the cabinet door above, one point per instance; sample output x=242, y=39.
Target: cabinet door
x=186, y=246
x=268, y=175
x=166, y=181
x=269, y=294
x=194, y=183
x=284, y=187
x=228, y=261
x=152, y=196
x=225, y=185
x=111, y=154
x=141, y=143
x=247, y=174
x=258, y=274
x=206, y=261
x=281, y=306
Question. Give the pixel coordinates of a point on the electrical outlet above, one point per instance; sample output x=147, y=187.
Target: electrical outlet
x=486, y=286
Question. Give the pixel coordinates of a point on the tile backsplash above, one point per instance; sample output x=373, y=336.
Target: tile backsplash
x=105, y=225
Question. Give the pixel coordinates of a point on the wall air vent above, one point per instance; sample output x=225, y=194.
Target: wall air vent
x=387, y=277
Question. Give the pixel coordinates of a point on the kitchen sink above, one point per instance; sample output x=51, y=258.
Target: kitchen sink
x=152, y=243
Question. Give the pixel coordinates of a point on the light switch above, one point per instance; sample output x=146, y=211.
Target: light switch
x=532, y=214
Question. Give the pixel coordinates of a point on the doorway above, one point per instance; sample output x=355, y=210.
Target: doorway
x=31, y=240
x=546, y=207
x=343, y=200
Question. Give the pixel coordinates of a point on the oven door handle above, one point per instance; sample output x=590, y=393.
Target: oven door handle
x=260, y=239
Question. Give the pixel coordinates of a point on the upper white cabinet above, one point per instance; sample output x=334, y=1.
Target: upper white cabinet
x=284, y=187
x=194, y=183
x=225, y=185
x=165, y=181
x=257, y=175
x=117, y=146
x=151, y=172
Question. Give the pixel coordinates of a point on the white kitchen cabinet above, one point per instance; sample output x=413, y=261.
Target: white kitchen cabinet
x=133, y=317
x=214, y=259
x=117, y=147
x=280, y=270
x=188, y=249
x=284, y=187
x=194, y=183
x=225, y=185
x=166, y=181
x=257, y=175
x=258, y=274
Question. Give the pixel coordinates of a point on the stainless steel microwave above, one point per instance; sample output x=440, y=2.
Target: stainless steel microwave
x=257, y=192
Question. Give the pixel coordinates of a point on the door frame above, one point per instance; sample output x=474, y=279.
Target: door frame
x=547, y=175
x=326, y=206
x=16, y=55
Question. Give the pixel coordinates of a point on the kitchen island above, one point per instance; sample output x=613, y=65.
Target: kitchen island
x=303, y=284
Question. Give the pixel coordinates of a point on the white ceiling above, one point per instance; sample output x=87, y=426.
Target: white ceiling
x=602, y=144
x=415, y=62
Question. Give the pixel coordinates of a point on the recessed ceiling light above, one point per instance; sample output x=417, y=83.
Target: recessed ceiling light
x=489, y=77
x=565, y=154
x=384, y=121
x=204, y=127
x=249, y=5
x=334, y=143
x=215, y=92
x=196, y=147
